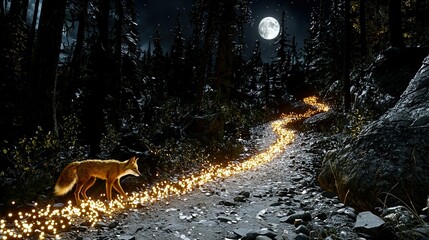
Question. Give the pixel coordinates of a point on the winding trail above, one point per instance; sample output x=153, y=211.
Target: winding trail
x=54, y=221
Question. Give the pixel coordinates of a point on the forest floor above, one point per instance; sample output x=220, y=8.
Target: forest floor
x=278, y=200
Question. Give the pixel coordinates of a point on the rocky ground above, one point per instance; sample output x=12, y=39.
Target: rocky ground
x=280, y=200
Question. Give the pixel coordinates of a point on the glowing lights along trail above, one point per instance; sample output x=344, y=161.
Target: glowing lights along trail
x=48, y=222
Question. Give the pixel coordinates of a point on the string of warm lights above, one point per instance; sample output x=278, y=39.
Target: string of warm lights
x=50, y=221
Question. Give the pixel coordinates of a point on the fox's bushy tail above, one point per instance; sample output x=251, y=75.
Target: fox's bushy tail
x=66, y=180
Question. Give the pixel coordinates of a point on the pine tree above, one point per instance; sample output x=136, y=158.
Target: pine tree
x=254, y=67
x=158, y=66
x=176, y=77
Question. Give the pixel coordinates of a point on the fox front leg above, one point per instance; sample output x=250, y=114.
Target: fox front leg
x=117, y=186
x=109, y=184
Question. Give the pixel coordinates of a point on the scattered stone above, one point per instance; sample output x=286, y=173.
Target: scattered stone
x=350, y=212
x=126, y=237
x=225, y=219
x=58, y=205
x=241, y=232
x=305, y=216
x=297, y=222
x=113, y=224
x=207, y=223
x=301, y=236
x=86, y=224
x=266, y=232
x=227, y=203
x=322, y=216
x=262, y=237
x=80, y=228
x=282, y=193
x=328, y=194
x=239, y=198
x=260, y=214
x=174, y=228
x=101, y=224
x=369, y=225
x=257, y=195
x=367, y=220
x=246, y=194
x=275, y=204
x=303, y=229
x=398, y=215
x=424, y=230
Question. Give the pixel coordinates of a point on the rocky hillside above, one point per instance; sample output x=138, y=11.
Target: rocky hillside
x=387, y=163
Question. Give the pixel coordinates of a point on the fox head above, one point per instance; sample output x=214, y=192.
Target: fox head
x=131, y=167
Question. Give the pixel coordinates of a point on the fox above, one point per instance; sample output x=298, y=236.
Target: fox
x=84, y=174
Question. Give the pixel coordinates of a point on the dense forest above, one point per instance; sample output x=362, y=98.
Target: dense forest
x=75, y=84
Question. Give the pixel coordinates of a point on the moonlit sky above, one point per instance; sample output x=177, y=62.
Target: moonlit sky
x=162, y=14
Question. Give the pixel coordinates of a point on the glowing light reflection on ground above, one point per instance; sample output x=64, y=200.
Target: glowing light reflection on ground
x=50, y=221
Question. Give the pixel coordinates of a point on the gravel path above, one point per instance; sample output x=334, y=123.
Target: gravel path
x=279, y=200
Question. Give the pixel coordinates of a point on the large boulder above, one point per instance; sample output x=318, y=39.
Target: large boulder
x=388, y=163
x=386, y=79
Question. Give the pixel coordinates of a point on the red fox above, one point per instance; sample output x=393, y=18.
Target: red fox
x=84, y=174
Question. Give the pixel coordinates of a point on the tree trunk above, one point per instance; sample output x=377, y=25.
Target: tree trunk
x=15, y=7
x=24, y=10
x=2, y=8
x=76, y=61
x=362, y=23
x=395, y=24
x=30, y=40
x=44, y=65
x=19, y=8
x=95, y=106
x=225, y=50
x=117, y=80
x=347, y=56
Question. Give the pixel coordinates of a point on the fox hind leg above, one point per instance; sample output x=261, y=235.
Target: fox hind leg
x=86, y=186
x=79, y=185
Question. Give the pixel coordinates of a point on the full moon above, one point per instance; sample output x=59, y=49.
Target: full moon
x=269, y=28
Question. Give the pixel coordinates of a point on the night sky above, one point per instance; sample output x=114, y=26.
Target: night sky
x=154, y=13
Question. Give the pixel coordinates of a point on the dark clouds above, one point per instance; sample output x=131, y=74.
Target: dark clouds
x=162, y=14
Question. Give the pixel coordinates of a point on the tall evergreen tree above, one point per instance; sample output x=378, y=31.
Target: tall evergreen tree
x=158, y=66
x=282, y=62
x=254, y=68
x=177, y=53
